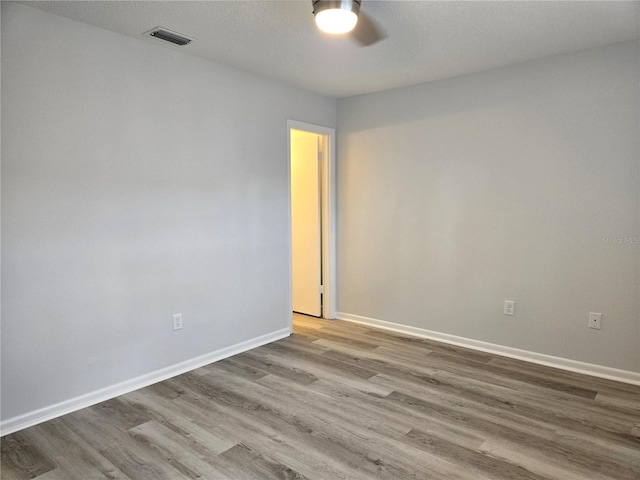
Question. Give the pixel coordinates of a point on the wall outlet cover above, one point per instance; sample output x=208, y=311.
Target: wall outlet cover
x=177, y=321
x=595, y=320
x=509, y=307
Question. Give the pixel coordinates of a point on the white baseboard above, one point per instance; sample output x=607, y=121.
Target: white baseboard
x=53, y=411
x=533, y=357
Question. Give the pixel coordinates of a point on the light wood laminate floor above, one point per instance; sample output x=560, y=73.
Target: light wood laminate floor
x=338, y=400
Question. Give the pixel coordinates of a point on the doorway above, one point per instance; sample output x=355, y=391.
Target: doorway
x=312, y=219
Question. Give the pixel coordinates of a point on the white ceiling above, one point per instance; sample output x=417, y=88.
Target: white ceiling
x=427, y=40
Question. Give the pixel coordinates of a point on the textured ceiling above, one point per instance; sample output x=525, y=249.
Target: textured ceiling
x=426, y=40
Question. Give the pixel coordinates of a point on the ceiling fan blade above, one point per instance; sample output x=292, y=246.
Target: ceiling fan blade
x=367, y=32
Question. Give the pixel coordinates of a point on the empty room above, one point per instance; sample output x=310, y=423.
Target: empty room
x=296, y=239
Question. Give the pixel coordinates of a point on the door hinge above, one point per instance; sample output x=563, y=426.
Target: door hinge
x=322, y=289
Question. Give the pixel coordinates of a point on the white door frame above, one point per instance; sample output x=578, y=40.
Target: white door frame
x=328, y=206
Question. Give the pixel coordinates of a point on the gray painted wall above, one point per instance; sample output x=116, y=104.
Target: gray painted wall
x=456, y=195
x=137, y=182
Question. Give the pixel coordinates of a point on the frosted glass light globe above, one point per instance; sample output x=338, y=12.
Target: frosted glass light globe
x=336, y=20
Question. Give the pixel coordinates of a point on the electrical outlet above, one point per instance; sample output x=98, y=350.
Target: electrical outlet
x=509, y=307
x=595, y=320
x=177, y=321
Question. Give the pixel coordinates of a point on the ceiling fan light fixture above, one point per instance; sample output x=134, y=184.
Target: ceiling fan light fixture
x=336, y=16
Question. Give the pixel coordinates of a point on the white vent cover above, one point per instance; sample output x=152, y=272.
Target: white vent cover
x=169, y=36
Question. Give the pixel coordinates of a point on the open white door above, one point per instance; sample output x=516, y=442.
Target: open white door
x=306, y=260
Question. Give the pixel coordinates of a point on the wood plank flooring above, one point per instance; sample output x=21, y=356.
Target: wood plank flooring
x=342, y=401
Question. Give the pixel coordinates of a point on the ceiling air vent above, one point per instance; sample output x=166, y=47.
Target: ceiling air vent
x=169, y=36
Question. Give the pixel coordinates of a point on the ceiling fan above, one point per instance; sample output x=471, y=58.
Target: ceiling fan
x=344, y=16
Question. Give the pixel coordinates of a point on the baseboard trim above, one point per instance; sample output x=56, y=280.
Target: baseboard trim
x=35, y=417
x=533, y=357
